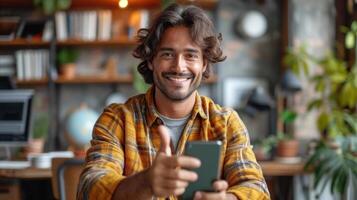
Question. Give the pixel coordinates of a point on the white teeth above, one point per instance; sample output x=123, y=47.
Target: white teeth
x=177, y=79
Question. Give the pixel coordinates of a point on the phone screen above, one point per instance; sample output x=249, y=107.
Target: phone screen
x=209, y=154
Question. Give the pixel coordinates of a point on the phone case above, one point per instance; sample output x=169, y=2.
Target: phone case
x=209, y=154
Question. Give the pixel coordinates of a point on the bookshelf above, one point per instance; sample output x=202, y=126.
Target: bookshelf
x=97, y=43
x=26, y=83
x=22, y=43
x=120, y=41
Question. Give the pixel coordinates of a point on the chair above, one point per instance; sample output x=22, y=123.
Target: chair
x=65, y=177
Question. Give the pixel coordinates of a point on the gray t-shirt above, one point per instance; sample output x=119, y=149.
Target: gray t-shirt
x=176, y=127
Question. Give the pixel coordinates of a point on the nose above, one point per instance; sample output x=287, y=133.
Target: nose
x=180, y=63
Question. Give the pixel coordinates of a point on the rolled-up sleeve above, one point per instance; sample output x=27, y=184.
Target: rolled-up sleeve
x=104, y=161
x=241, y=170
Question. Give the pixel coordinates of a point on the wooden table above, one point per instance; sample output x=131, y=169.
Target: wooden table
x=270, y=168
x=273, y=168
x=26, y=173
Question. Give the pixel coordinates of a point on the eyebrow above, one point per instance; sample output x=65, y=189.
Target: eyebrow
x=191, y=50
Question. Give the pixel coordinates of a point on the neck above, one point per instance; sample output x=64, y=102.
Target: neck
x=174, y=109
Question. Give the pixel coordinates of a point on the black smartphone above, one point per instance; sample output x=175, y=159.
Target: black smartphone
x=208, y=152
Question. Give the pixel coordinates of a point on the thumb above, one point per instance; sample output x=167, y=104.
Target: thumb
x=165, y=140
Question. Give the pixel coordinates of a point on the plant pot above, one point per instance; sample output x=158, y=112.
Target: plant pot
x=34, y=146
x=288, y=148
x=68, y=70
x=261, y=154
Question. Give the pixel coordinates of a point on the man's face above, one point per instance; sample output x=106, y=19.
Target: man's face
x=178, y=64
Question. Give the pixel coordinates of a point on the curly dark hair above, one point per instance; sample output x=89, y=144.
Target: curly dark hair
x=201, y=30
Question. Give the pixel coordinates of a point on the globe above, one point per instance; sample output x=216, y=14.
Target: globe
x=79, y=126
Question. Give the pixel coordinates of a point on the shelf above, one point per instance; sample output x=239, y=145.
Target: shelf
x=96, y=43
x=32, y=82
x=94, y=80
x=89, y=4
x=24, y=43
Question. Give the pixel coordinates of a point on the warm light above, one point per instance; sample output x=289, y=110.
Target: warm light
x=123, y=3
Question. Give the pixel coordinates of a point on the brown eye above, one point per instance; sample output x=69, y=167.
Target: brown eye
x=191, y=56
x=167, y=55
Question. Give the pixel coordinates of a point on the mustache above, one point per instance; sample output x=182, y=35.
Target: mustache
x=176, y=74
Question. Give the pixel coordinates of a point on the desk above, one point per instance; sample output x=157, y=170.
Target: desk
x=270, y=168
x=273, y=168
x=25, y=183
x=26, y=173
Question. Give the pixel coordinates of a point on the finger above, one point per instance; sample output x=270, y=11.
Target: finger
x=209, y=195
x=181, y=174
x=220, y=185
x=174, y=184
x=181, y=161
x=165, y=140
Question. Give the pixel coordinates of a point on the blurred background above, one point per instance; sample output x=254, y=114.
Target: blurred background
x=290, y=73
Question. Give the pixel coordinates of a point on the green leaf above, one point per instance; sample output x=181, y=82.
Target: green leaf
x=320, y=86
x=354, y=26
x=344, y=29
x=349, y=40
x=338, y=77
x=37, y=2
x=352, y=122
x=336, y=174
x=314, y=104
x=63, y=4
x=48, y=7
x=322, y=121
x=288, y=116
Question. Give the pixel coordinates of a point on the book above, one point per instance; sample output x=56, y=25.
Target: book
x=61, y=26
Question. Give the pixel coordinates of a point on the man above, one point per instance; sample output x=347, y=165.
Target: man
x=134, y=156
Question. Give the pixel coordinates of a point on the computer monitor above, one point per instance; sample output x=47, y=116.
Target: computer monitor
x=15, y=115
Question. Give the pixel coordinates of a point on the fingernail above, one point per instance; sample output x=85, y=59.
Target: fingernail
x=198, y=195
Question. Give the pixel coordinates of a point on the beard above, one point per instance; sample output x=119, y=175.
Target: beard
x=179, y=92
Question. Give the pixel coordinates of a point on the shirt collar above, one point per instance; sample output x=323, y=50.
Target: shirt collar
x=152, y=113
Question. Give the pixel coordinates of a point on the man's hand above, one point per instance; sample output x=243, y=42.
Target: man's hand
x=220, y=187
x=169, y=175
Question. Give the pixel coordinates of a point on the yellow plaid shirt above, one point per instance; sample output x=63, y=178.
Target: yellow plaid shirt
x=125, y=141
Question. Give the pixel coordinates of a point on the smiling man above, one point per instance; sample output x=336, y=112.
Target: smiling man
x=136, y=150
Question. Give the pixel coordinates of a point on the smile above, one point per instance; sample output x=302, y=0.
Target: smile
x=177, y=77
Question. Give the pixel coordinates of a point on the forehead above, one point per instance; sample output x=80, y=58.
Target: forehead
x=177, y=37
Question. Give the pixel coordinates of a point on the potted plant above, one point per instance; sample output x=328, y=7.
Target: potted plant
x=263, y=148
x=66, y=59
x=39, y=133
x=334, y=158
x=287, y=145
x=51, y=6
x=284, y=144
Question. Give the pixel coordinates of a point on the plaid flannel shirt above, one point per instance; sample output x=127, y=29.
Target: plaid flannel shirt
x=125, y=141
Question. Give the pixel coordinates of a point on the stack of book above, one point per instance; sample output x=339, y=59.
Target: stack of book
x=99, y=25
x=32, y=64
x=83, y=25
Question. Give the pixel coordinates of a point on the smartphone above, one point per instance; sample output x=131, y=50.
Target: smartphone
x=209, y=153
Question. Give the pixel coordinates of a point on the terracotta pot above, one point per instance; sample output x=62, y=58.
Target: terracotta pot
x=288, y=148
x=34, y=146
x=260, y=154
x=68, y=70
